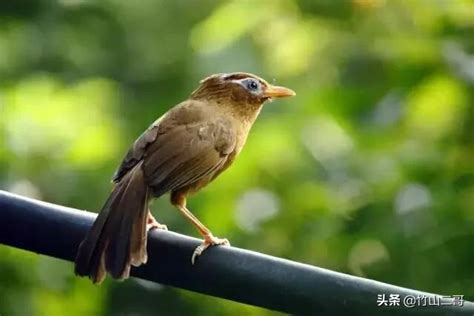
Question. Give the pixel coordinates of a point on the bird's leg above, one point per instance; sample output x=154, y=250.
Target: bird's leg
x=151, y=223
x=209, y=239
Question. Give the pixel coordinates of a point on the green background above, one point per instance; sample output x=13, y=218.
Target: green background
x=368, y=170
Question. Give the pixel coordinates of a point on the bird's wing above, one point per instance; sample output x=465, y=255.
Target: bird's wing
x=136, y=152
x=187, y=153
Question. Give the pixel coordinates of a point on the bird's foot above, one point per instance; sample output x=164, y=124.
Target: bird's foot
x=209, y=240
x=152, y=224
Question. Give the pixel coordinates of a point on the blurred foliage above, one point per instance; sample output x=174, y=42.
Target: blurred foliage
x=368, y=170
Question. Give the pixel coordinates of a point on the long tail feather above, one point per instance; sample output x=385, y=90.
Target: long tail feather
x=117, y=239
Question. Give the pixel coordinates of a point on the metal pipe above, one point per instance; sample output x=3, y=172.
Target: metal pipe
x=227, y=272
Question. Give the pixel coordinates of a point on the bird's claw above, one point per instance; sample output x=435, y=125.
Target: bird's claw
x=208, y=242
x=157, y=226
x=152, y=224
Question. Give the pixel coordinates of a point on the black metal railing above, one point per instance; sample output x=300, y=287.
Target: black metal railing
x=226, y=272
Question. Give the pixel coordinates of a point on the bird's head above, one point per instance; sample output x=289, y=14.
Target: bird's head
x=239, y=88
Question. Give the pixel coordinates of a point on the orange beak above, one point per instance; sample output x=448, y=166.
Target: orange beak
x=278, y=92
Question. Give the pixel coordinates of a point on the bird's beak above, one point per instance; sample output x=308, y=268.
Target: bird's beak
x=277, y=92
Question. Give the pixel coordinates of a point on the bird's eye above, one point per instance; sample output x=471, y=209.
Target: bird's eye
x=252, y=85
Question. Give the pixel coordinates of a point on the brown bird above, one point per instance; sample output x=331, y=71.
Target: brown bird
x=180, y=153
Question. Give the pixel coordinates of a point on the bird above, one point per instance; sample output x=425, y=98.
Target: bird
x=179, y=153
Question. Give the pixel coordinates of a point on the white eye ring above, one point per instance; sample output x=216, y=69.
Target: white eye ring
x=252, y=85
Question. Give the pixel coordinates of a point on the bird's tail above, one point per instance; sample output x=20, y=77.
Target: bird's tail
x=118, y=237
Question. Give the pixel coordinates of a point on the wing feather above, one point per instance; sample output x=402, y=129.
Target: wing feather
x=187, y=154
x=180, y=148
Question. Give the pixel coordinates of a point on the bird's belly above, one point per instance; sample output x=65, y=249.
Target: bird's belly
x=202, y=182
x=194, y=187
x=198, y=185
